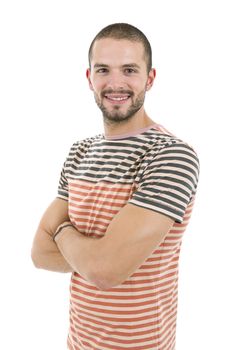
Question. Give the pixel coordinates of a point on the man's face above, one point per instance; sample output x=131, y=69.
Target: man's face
x=119, y=78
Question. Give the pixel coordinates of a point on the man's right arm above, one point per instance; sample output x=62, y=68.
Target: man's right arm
x=45, y=253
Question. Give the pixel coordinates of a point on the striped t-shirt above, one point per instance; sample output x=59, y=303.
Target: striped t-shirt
x=151, y=169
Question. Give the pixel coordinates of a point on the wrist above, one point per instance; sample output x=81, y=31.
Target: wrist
x=60, y=229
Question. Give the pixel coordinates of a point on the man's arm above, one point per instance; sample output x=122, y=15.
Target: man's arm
x=131, y=237
x=45, y=254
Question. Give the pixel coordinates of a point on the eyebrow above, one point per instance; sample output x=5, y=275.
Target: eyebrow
x=132, y=65
x=102, y=65
x=97, y=65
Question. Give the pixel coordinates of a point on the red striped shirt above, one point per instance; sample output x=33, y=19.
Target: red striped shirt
x=152, y=169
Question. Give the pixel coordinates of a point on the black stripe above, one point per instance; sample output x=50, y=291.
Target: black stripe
x=159, y=198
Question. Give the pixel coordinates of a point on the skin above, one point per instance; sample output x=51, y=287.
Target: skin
x=119, y=80
x=118, y=68
x=45, y=253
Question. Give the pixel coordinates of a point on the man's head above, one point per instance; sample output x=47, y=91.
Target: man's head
x=120, y=31
x=120, y=71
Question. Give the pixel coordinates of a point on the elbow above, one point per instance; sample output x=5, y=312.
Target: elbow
x=102, y=284
x=35, y=259
x=104, y=279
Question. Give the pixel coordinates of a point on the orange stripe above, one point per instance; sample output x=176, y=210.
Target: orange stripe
x=105, y=195
x=105, y=186
x=130, y=283
x=99, y=303
x=126, y=334
x=124, y=341
x=118, y=326
x=98, y=216
x=123, y=297
x=118, y=320
x=99, y=203
x=87, y=207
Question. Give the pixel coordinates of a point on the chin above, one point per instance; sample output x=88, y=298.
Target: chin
x=117, y=117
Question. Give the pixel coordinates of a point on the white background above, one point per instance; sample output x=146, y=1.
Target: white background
x=46, y=105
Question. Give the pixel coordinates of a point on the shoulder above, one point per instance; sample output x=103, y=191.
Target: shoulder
x=86, y=142
x=81, y=146
x=161, y=141
x=168, y=153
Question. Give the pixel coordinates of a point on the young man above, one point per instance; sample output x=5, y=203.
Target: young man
x=124, y=200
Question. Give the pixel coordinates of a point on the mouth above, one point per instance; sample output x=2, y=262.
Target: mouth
x=117, y=98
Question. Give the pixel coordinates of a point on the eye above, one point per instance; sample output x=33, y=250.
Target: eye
x=130, y=70
x=102, y=70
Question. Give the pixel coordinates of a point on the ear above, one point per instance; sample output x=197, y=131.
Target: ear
x=151, y=78
x=88, y=76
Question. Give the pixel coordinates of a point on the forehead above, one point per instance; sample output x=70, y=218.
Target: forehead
x=114, y=52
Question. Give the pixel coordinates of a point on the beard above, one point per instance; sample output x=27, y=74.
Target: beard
x=115, y=116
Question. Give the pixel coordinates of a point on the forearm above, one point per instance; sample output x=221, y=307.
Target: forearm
x=81, y=252
x=53, y=261
x=130, y=238
x=47, y=256
x=97, y=261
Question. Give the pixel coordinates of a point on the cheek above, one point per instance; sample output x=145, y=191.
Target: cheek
x=137, y=83
x=97, y=86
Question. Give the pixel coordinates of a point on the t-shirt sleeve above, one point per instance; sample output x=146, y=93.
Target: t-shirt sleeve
x=63, y=186
x=63, y=192
x=169, y=181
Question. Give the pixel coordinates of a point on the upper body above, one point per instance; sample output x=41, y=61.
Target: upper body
x=128, y=194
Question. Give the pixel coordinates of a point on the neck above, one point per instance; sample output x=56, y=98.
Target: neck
x=138, y=121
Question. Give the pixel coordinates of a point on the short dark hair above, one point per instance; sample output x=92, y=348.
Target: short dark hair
x=124, y=31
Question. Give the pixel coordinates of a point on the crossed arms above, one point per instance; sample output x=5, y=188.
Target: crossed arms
x=133, y=234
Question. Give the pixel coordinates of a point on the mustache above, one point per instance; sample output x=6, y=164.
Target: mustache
x=111, y=91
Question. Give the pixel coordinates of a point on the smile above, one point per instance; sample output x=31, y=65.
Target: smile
x=117, y=98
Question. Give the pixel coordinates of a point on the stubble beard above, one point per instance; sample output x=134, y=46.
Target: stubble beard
x=115, y=116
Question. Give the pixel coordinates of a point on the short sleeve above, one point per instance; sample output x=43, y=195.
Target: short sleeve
x=63, y=186
x=63, y=192
x=169, y=181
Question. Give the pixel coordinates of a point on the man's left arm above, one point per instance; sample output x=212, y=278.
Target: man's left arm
x=133, y=234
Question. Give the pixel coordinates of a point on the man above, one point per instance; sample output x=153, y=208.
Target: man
x=124, y=200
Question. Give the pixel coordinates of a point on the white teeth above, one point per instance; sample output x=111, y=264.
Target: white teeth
x=117, y=98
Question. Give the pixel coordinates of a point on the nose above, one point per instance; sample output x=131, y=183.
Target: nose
x=115, y=81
